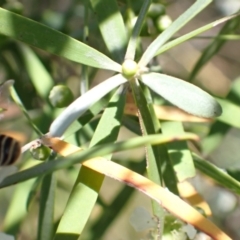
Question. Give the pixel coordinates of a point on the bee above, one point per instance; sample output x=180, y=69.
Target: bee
x=10, y=150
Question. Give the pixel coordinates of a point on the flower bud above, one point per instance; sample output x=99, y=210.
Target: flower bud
x=129, y=68
x=163, y=22
x=60, y=96
x=156, y=10
x=40, y=152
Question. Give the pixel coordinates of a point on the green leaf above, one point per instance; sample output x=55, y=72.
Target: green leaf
x=52, y=41
x=132, y=45
x=17, y=210
x=153, y=153
x=210, y=51
x=229, y=110
x=39, y=75
x=219, y=129
x=75, y=214
x=184, y=95
x=100, y=150
x=111, y=26
x=216, y=174
x=87, y=186
x=164, y=161
x=113, y=210
x=88, y=115
x=82, y=104
x=197, y=7
x=147, y=127
x=179, y=153
x=110, y=122
x=192, y=34
x=46, y=211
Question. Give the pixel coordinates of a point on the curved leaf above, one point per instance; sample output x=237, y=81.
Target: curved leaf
x=192, y=34
x=85, y=190
x=82, y=104
x=214, y=46
x=182, y=20
x=66, y=149
x=52, y=41
x=168, y=200
x=184, y=95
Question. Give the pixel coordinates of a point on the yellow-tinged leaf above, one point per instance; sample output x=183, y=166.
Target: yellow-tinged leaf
x=63, y=148
x=168, y=200
x=188, y=192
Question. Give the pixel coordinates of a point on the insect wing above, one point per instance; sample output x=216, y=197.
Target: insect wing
x=4, y=93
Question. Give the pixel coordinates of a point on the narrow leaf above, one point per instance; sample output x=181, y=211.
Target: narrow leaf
x=161, y=195
x=46, y=211
x=110, y=122
x=165, y=163
x=179, y=153
x=85, y=191
x=132, y=45
x=153, y=153
x=52, y=41
x=17, y=210
x=216, y=174
x=197, y=7
x=82, y=104
x=147, y=127
x=88, y=115
x=184, y=95
x=39, y=75
x=100, y=150
x=113, y=210
x=189, y=193
x=192, y=34
x=111, y=26
x=230, y=27
x=73, y=220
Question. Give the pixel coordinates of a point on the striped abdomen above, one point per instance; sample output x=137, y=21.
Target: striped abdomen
x=10, y=150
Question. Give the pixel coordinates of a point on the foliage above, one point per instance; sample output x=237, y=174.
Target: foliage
x=50, y=53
